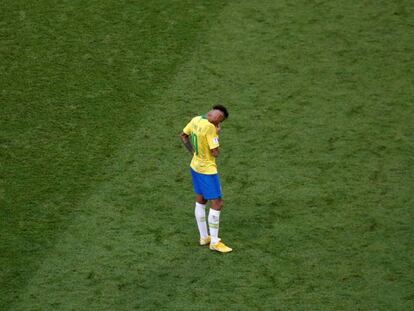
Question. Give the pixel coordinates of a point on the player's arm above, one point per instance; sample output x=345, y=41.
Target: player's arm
x=213, y=140
x=216, y=151
x=185, y=137
x=218, y=129
x=186, y=141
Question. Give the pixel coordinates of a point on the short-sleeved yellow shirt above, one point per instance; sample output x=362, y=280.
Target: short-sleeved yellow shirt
x=204, y=137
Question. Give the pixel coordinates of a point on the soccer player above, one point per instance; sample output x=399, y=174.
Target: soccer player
x=203, y=131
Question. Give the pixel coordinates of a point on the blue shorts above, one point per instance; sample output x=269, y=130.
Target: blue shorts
x=206, y=185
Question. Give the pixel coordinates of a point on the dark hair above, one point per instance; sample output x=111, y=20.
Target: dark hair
x=222, y=109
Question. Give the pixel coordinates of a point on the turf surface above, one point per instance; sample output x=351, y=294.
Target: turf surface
x=317, y=155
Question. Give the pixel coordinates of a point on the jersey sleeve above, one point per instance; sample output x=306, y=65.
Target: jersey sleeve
x=212, y=137
x=187, y=130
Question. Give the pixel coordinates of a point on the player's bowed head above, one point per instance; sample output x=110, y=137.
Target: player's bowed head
x=217, y=115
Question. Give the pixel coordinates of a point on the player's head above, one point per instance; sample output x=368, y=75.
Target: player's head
x=218, y=114
x=223, y=110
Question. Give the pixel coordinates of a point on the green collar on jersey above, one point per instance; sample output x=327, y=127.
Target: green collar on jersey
x=204, y=116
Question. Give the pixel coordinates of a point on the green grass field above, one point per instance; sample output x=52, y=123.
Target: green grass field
x=317, y=164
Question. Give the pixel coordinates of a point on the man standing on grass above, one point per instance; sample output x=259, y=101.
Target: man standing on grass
x=204, y=147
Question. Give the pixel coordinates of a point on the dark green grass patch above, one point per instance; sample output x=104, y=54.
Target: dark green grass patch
x=317, y=159
x=74, y=79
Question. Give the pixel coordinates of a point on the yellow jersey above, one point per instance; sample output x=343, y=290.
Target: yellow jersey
x=204, y=137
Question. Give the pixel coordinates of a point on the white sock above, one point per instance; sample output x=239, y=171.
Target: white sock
x=200, y=215
x=213, y=223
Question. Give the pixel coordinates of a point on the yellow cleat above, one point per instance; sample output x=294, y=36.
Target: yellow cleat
x=220, y=247
x=205, y=241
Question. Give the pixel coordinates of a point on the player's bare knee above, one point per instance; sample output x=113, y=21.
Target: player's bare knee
x=200, y=199
x=217, y=204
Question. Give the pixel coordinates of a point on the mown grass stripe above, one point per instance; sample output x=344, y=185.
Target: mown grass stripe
x=70, y=98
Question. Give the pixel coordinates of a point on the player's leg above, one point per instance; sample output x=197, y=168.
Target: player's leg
x=200, y=215
x=200, y=209
x=213, y=223
x=214, y=219
x=215, y=195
